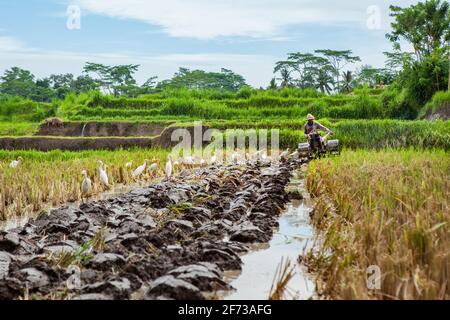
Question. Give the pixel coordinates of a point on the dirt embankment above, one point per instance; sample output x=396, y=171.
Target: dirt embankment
x=102, y=129
x=442, y=112
x=164, y=140
x=71, y=144
x=170, y=240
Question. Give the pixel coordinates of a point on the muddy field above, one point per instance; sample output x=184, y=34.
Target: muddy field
x=102, y=129
x=171, y=240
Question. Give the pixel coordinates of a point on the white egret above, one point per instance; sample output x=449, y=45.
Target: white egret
x=152, y=168
x=139, y=170
x=189, y=161
x=234, y=157
x=86, y=185
x=202, y=162
x=128, y=164
x=15, y=163
x=213, y=159
x=295, y=154
x=169, y=167
x=102, y=174
x=284, y=154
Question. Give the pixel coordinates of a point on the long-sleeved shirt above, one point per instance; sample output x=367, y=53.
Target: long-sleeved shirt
x=315, y=127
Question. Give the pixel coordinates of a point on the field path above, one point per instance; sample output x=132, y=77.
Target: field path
x=173, y=239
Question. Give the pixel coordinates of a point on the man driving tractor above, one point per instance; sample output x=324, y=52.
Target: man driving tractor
x=311, y=132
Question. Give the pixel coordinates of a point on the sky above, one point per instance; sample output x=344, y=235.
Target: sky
x=246, y=36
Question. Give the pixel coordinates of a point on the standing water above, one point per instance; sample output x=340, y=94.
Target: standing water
x=295, y=235
x=82, y=130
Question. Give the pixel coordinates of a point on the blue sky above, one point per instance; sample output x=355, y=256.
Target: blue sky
x=247, y=36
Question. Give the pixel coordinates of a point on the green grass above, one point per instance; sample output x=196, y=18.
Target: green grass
x=18, y=128
x=361, y=133
x=378, y=134
x=439, y=104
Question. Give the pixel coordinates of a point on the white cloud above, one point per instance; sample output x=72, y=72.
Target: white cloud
x=10, y=44
x=207, y=19
x=257, y=69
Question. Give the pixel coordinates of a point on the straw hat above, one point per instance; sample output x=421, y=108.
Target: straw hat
x=310, y=117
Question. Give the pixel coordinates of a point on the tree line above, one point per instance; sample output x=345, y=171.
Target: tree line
x=413, y=76
x=419, y=74
x=115, y=80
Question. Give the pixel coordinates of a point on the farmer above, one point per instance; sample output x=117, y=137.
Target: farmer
x=312, y=127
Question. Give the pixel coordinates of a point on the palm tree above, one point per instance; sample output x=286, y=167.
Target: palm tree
x=272, y=84
x=286, y=79
x=323, y=78
x=347, y=82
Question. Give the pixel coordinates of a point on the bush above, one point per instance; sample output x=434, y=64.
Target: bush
x=439, y=106
x=20, y=109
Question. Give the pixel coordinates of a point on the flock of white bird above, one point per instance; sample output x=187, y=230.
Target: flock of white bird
x=86, y=185
x=187, y=162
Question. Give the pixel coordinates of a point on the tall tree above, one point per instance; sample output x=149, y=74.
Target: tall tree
x=285, y=69
x=347, y=82
x=303, y=64
x=84, y=83
x=312, y=71
x=199, y=79
x=62, y=84
x=18, y=82
x=338, y=60
x=286, y=79
x=425, y=26
x=116, y=80
x=149, y=85
x=272, y=84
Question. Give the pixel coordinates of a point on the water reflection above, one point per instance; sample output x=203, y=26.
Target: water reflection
x=295, y=235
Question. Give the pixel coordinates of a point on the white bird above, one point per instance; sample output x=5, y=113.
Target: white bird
x=234, y=157
x=152, y=168
x=213, y=159
x=260, y=155
x=169, y=167
x=139, y=170
x=102, y=174
x=295, y=154
x=15, y=163
x=86, y=185
x=189, y=161
x=128, y=164
x=202, y=162
x=284, y=154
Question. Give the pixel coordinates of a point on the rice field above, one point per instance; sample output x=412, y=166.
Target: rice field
x=384, y=202
x=388, y=209
x=54, y=178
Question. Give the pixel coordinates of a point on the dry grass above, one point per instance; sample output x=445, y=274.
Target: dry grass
x=284, y=273
x=54, y=178
x=390, y=209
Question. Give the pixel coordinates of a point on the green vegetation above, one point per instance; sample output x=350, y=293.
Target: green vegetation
x=18, y=128
x=439, y=105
